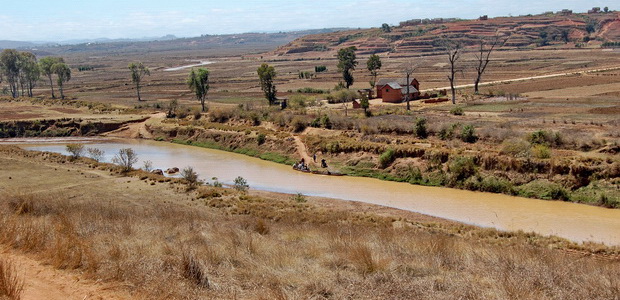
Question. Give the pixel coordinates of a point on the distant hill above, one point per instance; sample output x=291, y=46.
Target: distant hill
x=15, y=44
x=546, y=30
x=231, y=43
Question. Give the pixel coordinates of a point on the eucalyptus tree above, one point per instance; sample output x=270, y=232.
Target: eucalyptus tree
x=346, y=64
x=198, y=82
x=29, y=72
x=63, y=72
x=138, y=71
x=9, y=64
x=266, y=75
x=45, y=64
x=373, y=65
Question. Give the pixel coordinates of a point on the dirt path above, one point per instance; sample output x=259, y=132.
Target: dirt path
x=302, y=150
x=135, y=130
x=45, y=282
x=526, y=78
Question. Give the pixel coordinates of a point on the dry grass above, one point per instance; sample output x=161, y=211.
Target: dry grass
x=11, y=285
x=163, y=243
x=176, y=252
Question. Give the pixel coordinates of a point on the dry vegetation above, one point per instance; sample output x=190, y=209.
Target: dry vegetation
x=11, y=285
x=162, y=242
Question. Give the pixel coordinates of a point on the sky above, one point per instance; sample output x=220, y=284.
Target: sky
x=62, y=20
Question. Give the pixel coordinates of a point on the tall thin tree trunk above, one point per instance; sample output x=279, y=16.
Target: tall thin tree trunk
x=138, y=89
x=51, y=85
x=62, y=95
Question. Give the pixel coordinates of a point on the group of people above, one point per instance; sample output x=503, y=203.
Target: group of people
x=302, y=166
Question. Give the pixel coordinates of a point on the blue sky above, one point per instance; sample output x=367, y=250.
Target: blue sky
x=58, y=20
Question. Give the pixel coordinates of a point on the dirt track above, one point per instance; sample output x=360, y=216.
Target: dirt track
x=44, y=282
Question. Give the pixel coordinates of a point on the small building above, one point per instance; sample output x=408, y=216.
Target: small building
x=367, y=92
x=395, y=90
x=483, y=18
x=594, y=10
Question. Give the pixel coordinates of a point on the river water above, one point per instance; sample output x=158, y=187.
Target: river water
x=572, y=221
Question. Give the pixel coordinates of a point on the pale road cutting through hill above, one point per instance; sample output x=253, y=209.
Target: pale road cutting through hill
x=525, y=79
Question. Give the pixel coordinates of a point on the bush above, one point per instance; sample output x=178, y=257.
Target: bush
x=462, y=168
x=543, y=189
x=342, y=96
x=190, y=176
x=299, y=198
x=298, y=124
x=516, y=147
x=126, y=158
x=542, y=137
x=606, y=201
x=457, y=111
x=95, y=153
x=468, y=134
x=541, y=151
x=75, y=150
x=11, y=285
x=240, y=184
x=386, y=158
x=420, y=128
x=147, y=165
x=496, y=185
x=260, y=139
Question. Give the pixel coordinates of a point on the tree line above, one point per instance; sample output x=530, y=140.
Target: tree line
x=21, y=71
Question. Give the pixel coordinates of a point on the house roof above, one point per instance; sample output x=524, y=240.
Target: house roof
x=394, y=85
x=412, y=90
x=400, y=81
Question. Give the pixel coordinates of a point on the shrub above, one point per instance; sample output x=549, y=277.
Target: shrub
x=240, y=184
x=543, y=189
x=299, y=198
x=190, y=176
x=516, y=147
x=457, y=111
x=447, y=132
x=608, y=202
x=298, y=124
x=468, y=134
x=420, y=128
x=386, y=158
x=95, y=153
x=342, y=96
x=75, y=150
x=260, y=139
x=326, y=122
x=541, y=151
x=147, y=165
x=195, y=271
x=126, y=158
x=496, y=185
x=462, y=168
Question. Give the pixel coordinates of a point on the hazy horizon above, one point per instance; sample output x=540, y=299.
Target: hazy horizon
x=62, y=20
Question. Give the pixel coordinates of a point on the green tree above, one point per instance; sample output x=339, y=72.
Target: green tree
x=138, y=71
x=373, y=65
x=386, y=28
x=198, y=82
x=9, y=64
x=29, y=71
x=64, y=74
x=346, y=64
x=266, y=75
x=364, y=103
x=45, y=64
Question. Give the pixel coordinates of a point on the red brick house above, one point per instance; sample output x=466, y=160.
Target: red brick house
x=394, y=90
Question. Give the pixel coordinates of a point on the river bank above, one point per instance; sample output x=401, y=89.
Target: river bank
x=119, y=228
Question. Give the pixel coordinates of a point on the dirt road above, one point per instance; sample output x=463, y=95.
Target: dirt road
x=526, y=78
x=44, y=282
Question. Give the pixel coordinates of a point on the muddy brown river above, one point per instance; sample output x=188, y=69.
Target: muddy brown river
x=572, y=221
